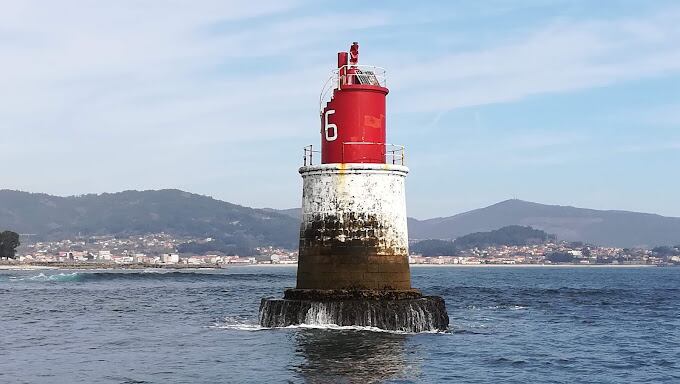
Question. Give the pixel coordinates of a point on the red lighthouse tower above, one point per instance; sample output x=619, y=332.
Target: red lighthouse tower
x=353, y=266
x=357, y=104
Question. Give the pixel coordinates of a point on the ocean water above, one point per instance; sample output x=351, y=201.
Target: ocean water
x=509, y=325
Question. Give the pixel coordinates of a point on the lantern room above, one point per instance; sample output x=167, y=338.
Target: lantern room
x=352, y=112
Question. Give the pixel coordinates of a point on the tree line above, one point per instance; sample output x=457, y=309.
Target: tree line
x=9, y=241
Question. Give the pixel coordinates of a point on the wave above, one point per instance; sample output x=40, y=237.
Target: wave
x=467, y=291
x=500, y=307
x=334, y=327
x=51, y=277
x=145, y=275
x=237, y=324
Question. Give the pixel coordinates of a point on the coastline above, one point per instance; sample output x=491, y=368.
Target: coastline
x=90, y=267
x=535, y=265
x=24, y=267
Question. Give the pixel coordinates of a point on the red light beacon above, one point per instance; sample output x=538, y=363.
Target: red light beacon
x=353, y=120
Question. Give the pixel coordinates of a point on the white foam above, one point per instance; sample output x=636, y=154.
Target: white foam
x=56, y=277
x=238, y=324
x=232, y=324
x=240, y=327
x=502, y=307
x=156, y=270
x=335, y=327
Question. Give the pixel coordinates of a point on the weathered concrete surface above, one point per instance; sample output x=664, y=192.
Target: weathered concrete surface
x=353, y=233
x=350, y=294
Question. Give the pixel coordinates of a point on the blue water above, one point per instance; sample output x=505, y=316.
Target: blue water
x=510, y=325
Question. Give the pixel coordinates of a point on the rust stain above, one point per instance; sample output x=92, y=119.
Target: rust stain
x=373, y=122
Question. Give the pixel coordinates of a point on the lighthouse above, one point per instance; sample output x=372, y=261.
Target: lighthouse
x=353, y=253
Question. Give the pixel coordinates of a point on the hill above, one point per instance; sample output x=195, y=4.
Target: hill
x=510, y=235
x=607, y=228
x=295, y=213
x=138, y=212
x=433, y=247
x=186, y=214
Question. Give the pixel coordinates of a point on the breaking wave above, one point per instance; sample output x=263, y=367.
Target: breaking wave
x=238, y=324
x=53, y=277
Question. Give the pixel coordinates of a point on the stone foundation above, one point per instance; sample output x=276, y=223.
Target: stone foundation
x=407, y=311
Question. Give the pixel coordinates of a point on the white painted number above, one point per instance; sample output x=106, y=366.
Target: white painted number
x=328, y=127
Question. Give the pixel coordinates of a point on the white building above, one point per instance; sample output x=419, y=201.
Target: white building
x=104, y=255
x=170, y=258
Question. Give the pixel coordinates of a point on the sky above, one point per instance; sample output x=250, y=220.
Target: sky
x=558, y=102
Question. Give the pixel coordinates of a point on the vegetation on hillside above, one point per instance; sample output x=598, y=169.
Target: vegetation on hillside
x=666, y=251
x=141, y=212
x=434, y=247
x=510, y=235
x=234, y=245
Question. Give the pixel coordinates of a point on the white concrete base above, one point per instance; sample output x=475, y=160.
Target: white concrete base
x=354, y=230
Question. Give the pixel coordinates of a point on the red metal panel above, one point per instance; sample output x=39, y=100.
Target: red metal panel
x=353, y=125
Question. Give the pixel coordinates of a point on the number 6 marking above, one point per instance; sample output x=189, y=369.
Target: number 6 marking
x=328, y=127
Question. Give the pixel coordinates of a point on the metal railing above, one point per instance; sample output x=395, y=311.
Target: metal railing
x=351, y=75
x=396, y=153
x=393, y=154
x=308, y=158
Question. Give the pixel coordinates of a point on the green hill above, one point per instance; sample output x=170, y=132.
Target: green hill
x=138, y=212
x=182, y=213
x=510, y=235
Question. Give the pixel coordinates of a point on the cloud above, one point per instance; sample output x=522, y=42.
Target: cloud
x=649, y=147
x=560, y=57
x=101, y=96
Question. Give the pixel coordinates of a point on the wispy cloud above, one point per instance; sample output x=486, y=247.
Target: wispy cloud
x=562, y=56
x=650, y=147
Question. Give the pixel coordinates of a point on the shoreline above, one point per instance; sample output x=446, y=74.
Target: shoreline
x=28, y=267
x=536, y=265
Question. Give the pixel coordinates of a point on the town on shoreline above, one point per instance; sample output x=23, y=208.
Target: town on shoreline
x=160, y=251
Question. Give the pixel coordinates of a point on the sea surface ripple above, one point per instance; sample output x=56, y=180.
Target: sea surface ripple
x=510, y=325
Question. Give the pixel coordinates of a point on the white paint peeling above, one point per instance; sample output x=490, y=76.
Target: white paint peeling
x=373, y=191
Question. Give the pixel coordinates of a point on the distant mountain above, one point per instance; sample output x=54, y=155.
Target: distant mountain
x=607, y=228
x=182, y=213
x=138, y=212
x=292, y=212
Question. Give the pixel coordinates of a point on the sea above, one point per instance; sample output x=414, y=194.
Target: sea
x=508, y=325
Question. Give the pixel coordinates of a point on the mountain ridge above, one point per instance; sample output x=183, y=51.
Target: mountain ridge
x=137, y=212
x=601, y=227
x=183, y=213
